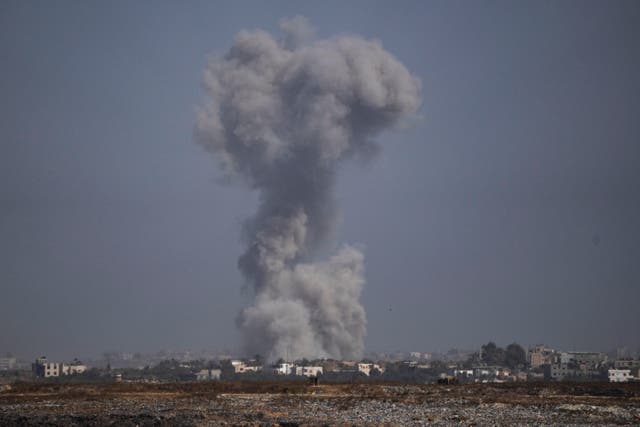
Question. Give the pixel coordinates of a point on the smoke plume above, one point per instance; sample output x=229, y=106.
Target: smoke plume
x=284, y=113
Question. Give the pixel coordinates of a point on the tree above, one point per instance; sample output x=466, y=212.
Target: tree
x=515, y=356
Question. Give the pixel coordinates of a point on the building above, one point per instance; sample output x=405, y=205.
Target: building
x=72, y=369
x=366, y=368
x=309, y=371
x=330, y=365
x=240, y=367
x=540, y=355
x=626, y=353
x=626, y=364
x=583, y=358
x=284, y=368
x=208, y=374
x=576, y=364
x=7, y=363
x=76, y=367
x=558, y=371
x=486, y=371
x=463, y=373
x=44, y=369
x=619, y=375
x=523, y=376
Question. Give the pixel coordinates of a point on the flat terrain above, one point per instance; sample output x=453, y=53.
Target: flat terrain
x=297, y=403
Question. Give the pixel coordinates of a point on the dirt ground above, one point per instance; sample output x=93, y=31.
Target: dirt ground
x=301, y=404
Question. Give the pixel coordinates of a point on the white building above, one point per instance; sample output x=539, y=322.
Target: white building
x=366, y=368
x=73, y=369
x=465, y=373
x=485, y=371
x=76, y=367
x=309, y=371
x=284, y=369
x=240, y=367
x=619, y=375
x=45, y=369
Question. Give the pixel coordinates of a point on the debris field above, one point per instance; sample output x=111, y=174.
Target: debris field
x=301, y=404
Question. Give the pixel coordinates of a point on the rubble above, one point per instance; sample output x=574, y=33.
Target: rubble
x=300, y=404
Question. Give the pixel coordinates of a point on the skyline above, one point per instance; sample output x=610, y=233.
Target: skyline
x=237, y=352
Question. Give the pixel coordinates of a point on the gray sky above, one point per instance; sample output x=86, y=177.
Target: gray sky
x=509, y=211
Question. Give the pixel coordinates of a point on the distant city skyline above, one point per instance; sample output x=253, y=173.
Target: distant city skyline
x=633, y=349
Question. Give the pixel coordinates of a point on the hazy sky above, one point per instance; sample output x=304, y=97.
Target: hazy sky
x=509, y=211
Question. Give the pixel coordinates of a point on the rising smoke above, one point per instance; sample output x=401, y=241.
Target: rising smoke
x=284, y=114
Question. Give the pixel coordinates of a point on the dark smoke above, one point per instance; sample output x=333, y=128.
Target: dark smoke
x=283, y=116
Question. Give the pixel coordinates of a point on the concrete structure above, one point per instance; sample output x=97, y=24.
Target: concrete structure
x=330, y=365
x=44, y=369
x=208, y=374
x=463, y=373
x=284, y=368
x=366, y=368
x=240, y=367
x=558, y=371
x=583, y=359
x=619, y=375
x=626, y=353
x=626, y=363
x=72, y=369
x=540, y=355
x=76, y=367
x=7, y=363
x=309, y=371
x=576, y=364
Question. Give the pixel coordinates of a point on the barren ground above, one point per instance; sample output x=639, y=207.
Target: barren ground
x=295, y=403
